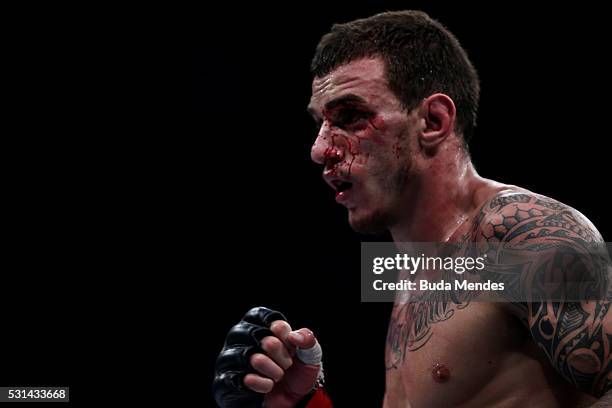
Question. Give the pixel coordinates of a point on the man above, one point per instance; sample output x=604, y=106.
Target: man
x=395, y=98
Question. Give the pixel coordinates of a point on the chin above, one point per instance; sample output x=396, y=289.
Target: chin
x=374, y=222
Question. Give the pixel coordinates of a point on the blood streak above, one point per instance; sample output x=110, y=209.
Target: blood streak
x=371, y=130
x=353, y=153
x=378, y=123
x=440, y=373
x=332, y=152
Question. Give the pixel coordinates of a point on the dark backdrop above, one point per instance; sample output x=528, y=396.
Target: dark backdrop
x=284, y=242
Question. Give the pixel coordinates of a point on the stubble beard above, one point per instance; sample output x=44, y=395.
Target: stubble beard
x=381, y=218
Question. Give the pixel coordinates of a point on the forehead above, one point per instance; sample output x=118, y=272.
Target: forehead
x=364, y=78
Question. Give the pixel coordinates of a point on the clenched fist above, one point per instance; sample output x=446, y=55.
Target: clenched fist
x=263, y=360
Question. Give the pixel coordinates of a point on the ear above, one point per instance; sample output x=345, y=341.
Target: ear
x=438, y=113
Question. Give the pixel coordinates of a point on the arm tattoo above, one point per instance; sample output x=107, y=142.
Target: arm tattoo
x=576, y=336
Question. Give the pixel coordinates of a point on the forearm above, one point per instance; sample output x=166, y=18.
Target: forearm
x=605, y=401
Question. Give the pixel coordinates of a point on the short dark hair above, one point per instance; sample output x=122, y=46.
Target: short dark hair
x=421, y=58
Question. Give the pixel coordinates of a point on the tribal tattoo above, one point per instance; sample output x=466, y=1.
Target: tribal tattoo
x=551, y=245
x=532, y=241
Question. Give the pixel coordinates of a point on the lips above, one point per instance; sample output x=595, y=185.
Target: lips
x=342, y=186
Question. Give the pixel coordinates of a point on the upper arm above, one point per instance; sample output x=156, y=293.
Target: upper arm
x=557, y=244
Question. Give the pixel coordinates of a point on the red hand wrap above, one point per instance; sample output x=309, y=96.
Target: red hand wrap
x=319, y=400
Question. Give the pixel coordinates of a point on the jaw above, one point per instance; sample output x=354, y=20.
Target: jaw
x=371, y=216
x=382, y=204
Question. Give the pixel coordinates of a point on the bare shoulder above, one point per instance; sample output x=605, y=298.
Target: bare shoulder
x=554, y=246
x=519, y=215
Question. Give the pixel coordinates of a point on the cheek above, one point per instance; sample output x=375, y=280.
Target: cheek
x=373, y=130
x=379, y=143
x=374, y=166
x=368, y=147
x=378, y=123
x=392, y=135
x=366, y=138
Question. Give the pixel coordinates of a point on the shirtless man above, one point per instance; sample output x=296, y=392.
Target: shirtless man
x=395, y=98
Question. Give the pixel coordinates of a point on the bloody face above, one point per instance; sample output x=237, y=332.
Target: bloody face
x=363, y=142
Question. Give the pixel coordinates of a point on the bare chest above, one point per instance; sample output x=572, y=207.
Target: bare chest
x=446, y=351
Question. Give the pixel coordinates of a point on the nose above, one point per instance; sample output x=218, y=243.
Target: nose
x=324, y=149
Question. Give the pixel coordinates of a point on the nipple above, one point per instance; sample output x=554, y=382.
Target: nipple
x=440, y=373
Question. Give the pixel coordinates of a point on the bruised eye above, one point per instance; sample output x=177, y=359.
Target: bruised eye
x=348, y=117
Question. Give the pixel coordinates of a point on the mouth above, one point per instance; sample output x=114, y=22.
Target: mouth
x=343, y=189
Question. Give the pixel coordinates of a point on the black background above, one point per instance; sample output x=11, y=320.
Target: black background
x=543, y=125
x=158, y=181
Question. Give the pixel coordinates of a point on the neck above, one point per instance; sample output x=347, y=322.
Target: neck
x=445, y=200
